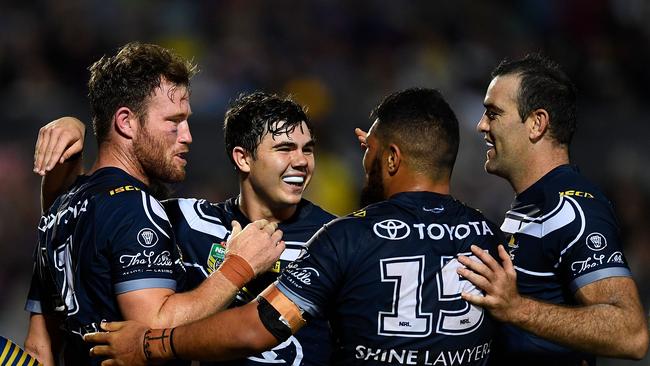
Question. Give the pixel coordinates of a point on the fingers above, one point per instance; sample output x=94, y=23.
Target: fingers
x=474, y=299
x=270, y=228
x=41, y=147
x=100, y=350
x=276, y=237
x=260, y=223
x=475, y=265
x=478, y=280
x=57, y=141
x=55, y=151
x=361, y=136
x=266, y=226
x=279, y=246
x=486, y=258
x=236, y=228
x=508, y=266
x=112, y=326
x=97, y=337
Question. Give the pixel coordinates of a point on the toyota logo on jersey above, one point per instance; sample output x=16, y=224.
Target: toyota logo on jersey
x=391, y=229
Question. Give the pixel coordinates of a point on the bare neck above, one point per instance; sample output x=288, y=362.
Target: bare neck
x=112, y=155
x=254, y=208
x=414, y=182
x=536, y=166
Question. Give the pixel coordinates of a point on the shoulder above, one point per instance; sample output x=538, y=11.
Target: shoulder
x=314, y=213
x=198, y=215
x=570, y=189
x=361, y=220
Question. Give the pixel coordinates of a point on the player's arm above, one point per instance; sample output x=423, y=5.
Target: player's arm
x=249, y=252
x=57, y=156
x=608, y=322
x=241, y=331
x=42, y=341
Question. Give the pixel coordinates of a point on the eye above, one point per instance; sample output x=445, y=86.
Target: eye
x=308, y=150
x=491, y=115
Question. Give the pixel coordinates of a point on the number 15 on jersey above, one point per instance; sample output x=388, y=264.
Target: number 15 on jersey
x=406, y=317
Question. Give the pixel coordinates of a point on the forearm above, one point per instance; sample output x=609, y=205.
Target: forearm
x=602, y=329
x=233, y=335
x=213, y=295
x=39, y=342
x=227, y=335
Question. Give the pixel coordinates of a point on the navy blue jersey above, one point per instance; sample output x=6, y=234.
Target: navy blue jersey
x=104, y=237
x=200, y=227
x=562, y=235
x=385, y=277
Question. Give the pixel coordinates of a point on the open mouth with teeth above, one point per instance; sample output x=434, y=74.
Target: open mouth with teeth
x=294, y=180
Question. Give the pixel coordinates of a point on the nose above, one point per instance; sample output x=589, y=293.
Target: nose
x=299, y=159
x=482, y=125
x=184, y=135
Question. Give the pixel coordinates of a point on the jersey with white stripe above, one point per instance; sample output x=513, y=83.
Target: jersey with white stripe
x=562, y=234
x=105, y=236
x=385, y=276
x=200, y=228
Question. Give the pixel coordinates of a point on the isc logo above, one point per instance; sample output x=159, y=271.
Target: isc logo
x=577, y=194
x=123, y=189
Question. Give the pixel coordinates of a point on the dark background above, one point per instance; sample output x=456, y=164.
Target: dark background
x=338, y=58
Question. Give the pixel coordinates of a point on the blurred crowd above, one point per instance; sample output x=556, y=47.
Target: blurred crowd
x=339, y=59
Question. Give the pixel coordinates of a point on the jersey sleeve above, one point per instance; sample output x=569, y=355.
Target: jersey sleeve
x=33, y=303
x=312, y=279
x=595, y=252
x=138, y=241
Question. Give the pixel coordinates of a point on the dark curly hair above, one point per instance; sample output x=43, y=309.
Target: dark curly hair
x=129, y=78
x=251, y=116
x=424, y=126
x=544, y=85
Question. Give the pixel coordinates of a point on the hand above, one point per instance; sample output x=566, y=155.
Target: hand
x=501, y=298
x=260, y=244
x=121, y=344
x=361, y=136
x=57, y=142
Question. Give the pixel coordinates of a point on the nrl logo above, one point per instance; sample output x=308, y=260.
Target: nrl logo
x=147, y=237
x=217, y=254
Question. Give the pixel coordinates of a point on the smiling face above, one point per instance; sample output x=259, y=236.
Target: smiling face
x=282, y=167
x=163, y=140
x=504, y=131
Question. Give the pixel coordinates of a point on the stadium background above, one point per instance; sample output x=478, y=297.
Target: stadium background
x=338, y=58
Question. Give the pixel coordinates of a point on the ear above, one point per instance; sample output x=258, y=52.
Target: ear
x=126, y=123
x=242, y=159
x=393, y=159
x=539, y=124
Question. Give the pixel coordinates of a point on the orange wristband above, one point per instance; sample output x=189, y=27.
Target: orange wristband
x=236, y=270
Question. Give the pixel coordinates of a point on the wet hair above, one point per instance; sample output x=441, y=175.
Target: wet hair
x=251, y=116
x=424, y=127
x=129, y=78
x=543, y=84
